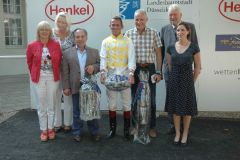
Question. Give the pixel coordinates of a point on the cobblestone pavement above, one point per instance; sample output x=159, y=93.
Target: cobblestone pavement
x=14, y=95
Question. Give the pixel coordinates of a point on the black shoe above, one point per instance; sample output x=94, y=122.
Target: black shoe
x=67, y=129
x=176, y=143
x=183, y=144
x=111, y=134
x=171, y=131
x=77, y=138
x=127, y=136
x=96, y=137
x=58, y=129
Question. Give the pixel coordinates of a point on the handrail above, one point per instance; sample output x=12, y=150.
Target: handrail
x=12, y=56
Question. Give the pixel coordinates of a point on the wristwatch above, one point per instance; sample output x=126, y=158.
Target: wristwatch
x=102, y=71
x=159, y=72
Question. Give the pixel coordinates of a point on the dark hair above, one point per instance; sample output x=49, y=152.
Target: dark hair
x=118, y=19
x=187, y=27
x=80, y=29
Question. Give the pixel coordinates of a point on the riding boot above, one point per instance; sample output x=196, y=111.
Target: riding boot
x=112, y=123
x=127, y=116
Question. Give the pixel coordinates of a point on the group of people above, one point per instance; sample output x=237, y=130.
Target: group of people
x=59, y=59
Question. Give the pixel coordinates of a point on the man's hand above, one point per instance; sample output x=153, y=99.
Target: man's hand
x=67, y=92
x=131, y=79
x=89, y=69
x=157, y=77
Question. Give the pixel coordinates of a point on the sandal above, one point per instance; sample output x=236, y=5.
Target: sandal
x=51, y=134
x=44, y=136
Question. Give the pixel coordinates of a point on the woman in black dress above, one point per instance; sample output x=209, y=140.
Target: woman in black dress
x=181, y=97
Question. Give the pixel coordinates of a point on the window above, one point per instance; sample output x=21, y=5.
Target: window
x=11, y=6
x=13, y=33
x=13, y=20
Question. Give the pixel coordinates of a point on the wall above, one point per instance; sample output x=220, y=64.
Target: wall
x=218, y=86
x=217, y=92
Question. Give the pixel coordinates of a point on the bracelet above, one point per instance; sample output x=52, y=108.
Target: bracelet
x=131, y=74
x=158, y=72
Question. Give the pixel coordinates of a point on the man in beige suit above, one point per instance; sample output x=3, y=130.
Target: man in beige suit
x=78, y=61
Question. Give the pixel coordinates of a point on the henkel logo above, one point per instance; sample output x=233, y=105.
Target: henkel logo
x=79, y=10
x=230, y=9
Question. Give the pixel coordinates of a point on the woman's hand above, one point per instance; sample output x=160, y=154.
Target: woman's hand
x=67, y=92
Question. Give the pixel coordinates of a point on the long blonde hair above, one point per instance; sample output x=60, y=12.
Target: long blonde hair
x=67, y=18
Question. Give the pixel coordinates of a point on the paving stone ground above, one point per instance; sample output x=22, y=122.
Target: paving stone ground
x=210, y=139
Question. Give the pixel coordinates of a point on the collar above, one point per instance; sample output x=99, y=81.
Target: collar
x=145, y=29
x=117, y=37
x=78, y=49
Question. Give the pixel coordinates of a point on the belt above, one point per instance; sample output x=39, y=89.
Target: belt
x=144, y=65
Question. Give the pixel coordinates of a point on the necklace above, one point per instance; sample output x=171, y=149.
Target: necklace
x=182, y=47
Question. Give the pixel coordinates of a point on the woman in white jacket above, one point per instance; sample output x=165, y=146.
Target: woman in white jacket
x=63, y=35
